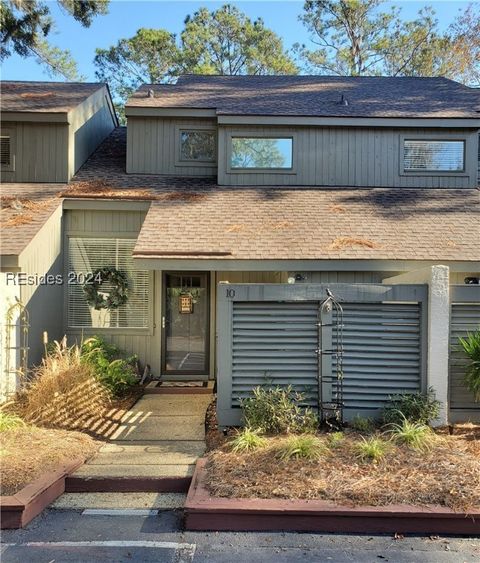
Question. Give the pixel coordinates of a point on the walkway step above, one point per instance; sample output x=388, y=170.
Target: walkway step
x=169, y=405
x=152, y=471
x=106, y=484
x=149, y=453
x=85, y=501
x=162, y=428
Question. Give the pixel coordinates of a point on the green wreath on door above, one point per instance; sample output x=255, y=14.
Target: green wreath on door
x=117, y=296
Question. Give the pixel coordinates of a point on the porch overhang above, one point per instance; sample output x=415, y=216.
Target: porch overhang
x=225, y=263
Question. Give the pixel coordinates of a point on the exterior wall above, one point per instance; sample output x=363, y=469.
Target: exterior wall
x=40, y=151
x=90, y=123
x=348, y=156
x=153, y=146
x=342, y=277
x=43, y=256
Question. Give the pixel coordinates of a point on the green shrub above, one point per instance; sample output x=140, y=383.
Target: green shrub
x=117, y=374
x=362, y=424
x=414, y=434
x=306, y=446
x=277, y=410
x=471, y=347
x=247, y=440
x=335, y=439
x=415, y=407
x=372, y=449
x=10, y=421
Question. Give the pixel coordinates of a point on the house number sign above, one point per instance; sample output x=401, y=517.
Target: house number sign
x=185, y=304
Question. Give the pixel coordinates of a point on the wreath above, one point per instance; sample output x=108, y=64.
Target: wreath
x=117, y=296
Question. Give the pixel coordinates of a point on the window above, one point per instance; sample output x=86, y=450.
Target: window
x=261, y=152
x=85, y=255
x=5, y=153
x=198, y=146
x=433, y=156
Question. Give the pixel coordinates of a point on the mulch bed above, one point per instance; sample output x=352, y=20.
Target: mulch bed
x=29, y=452
x=447, y=475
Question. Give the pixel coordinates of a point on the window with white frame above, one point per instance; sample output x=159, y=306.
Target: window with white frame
x=261, y=153
x=424, y=155
x=198, y=145
x=85, y=256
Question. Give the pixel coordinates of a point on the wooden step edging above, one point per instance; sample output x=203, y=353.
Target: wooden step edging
x=206, y=513
x=17, y=510
x=81, y=484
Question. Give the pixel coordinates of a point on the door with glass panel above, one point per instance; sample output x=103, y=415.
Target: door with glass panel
x=185, y=325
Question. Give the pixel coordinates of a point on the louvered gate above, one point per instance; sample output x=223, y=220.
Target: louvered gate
x=269, y=334
x=465, y=318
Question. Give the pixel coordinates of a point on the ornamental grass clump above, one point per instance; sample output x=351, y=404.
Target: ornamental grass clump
x=305, y=446
x=372, y=449
x=278, y=410
x=362, y=424
x=10, y=421
x=413, y=434
x=247, y=440
x=471, y=347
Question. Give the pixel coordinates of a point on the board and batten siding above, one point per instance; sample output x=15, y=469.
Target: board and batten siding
x=348, y=156
x=90, y=123
x=43, y=256
x=153, y=146
x=39, y=150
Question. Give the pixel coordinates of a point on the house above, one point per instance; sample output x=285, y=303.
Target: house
x=232, y=206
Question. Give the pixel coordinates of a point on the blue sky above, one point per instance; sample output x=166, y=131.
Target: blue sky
x=126, y=16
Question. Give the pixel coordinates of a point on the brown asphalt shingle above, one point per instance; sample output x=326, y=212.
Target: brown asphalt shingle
x=317, y=96
x=56, y=97
x=19, y=224
x=196, y=215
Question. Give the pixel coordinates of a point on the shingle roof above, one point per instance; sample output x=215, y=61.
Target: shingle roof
x=56, y=97
x=191, y=215
x=25, y=209
x=318, y=96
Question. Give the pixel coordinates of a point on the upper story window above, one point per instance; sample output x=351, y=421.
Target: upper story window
x=420, y=155
x=5, y=150
x=85, y=256
x=261, y=153
x=197, y=145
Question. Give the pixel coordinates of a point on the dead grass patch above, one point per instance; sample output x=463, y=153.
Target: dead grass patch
x=182, y=196
x=103, y=189
x=447, y=475
x=38, y=95
x=350, y=242
x=27, y=453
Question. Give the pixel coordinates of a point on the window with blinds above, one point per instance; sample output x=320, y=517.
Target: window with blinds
x=85, y=255
x=5, y=150
x=433, y=156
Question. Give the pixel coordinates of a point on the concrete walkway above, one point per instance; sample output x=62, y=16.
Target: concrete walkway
x=161, y=436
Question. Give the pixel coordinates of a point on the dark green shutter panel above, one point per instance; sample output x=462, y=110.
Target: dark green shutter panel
x=465, y=318
x=5, y=150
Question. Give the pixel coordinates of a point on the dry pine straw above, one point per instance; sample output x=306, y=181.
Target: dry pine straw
x=27, y=453
x=448, y=475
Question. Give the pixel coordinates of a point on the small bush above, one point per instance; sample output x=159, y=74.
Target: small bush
x=415, y=407
x=115, y=373
x=372, y=449
x=10, y=421
x=277, y=410
x=414, y=434
x=335, y=439
x=362, y=424
x=471, y=347
x=304, y=446
x=247, y=440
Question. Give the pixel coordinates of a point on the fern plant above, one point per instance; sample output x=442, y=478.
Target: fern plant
x=471, y=347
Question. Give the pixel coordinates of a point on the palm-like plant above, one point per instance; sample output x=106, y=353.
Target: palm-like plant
x=471, y=347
